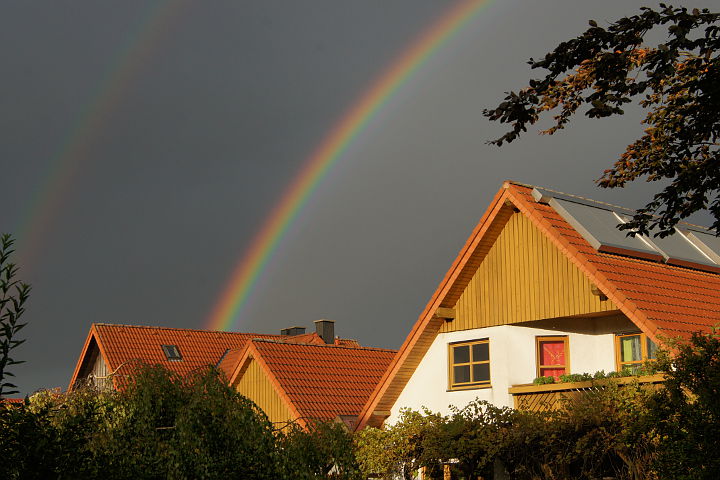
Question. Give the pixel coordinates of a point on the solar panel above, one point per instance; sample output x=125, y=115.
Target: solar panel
x=597, y=223
x=677, y=249
x=706, y=242
x=599, y=227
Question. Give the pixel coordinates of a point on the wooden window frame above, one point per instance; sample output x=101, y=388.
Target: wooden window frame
x=552, y=338
x=618, y=350
x=451, y=371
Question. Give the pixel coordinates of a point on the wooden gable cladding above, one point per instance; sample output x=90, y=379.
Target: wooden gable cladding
x=485, y=243
x=254, y=384
x=523, y=277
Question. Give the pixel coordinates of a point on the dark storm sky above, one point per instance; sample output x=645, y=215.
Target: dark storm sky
x=215, y=112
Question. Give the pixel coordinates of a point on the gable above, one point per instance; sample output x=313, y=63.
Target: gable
x=93, y=369
x=522, y=278
x=254, y=384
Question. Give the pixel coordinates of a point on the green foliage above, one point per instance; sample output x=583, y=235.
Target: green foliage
x=473, y=436
x=576, y=377
x=677, y=81
x=543, y=380
x=13, y=294
x=686, y=413
x=28, y=444
x=648, y=368
x=601, y=433
x=322, y=450
x=161, y=426
x=397, y=450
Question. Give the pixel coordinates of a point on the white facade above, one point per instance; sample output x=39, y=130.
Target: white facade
x=512, y=361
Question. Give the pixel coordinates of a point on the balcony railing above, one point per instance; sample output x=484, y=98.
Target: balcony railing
x=542, y=398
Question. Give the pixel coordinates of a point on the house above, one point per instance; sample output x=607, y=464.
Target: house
x=546, y=285
x=110, y=351
x=294, y=376
x=302, y=382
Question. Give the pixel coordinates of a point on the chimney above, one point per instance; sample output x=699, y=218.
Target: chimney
x=291, y=331
x=326, y=330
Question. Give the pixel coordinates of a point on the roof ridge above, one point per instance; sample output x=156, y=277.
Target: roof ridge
x=571, y=195
x=103, y=324
x=347, y=347
x=598, y=202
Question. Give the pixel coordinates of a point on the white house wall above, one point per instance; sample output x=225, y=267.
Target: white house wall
x=512, y=362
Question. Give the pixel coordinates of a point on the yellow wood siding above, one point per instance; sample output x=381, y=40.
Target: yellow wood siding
x=524, y=277
x=255, y=385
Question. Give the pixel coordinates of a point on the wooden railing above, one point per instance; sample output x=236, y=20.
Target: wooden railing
x=542, y=398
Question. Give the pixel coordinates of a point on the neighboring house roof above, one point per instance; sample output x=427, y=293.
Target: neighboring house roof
x=125, y=345
x=661, y=299
x=229, y=361
x=317, y=381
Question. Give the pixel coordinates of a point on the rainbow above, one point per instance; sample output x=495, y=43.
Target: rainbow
x=247, y=271
x=139, y=47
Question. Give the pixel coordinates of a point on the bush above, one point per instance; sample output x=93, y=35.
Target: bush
x=686, y=413
x=324, y=449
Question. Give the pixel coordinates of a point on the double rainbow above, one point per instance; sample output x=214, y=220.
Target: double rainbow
x=138, y=49
x=249, y=268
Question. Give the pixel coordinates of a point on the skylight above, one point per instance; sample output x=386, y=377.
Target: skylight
x=172, y=352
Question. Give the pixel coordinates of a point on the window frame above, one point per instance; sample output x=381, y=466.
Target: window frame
x=452, y=385
x=172, y=353
x=551, y=338
x=643, y=350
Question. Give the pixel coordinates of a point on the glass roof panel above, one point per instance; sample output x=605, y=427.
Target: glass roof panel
x=599, y=227
x=708, y=243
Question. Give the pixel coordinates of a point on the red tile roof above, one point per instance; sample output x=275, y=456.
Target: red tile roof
x=662, y=300
x=125, y=345
x=122, y=344
x=321, y=381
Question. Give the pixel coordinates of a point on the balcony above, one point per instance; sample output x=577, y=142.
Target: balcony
x=543, y=398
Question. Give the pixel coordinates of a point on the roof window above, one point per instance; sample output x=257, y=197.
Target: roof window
x=172, y=352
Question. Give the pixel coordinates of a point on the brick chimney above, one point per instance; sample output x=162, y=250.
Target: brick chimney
x=326, y=330
x=291, y=331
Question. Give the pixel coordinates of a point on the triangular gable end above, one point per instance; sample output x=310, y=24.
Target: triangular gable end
x=92, y=359
x=525, y=277
x=456, y=290
x=254, y=379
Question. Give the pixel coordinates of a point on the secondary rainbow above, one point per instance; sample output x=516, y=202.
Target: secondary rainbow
x=247, y=271
x=138, y=48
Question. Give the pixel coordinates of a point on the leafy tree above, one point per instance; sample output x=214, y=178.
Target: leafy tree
x=28, y=446
x=474, y=436
x=686, y=413
x=13, y=294
x=398, y=449
x=677, y=81
x=603, y=432
x=219, y=433
x=324, y=449
x=161, y=426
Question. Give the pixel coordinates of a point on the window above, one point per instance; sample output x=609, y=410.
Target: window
x=172, y=352
x=469, y=364
x=632, y=350
x=552, y=356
